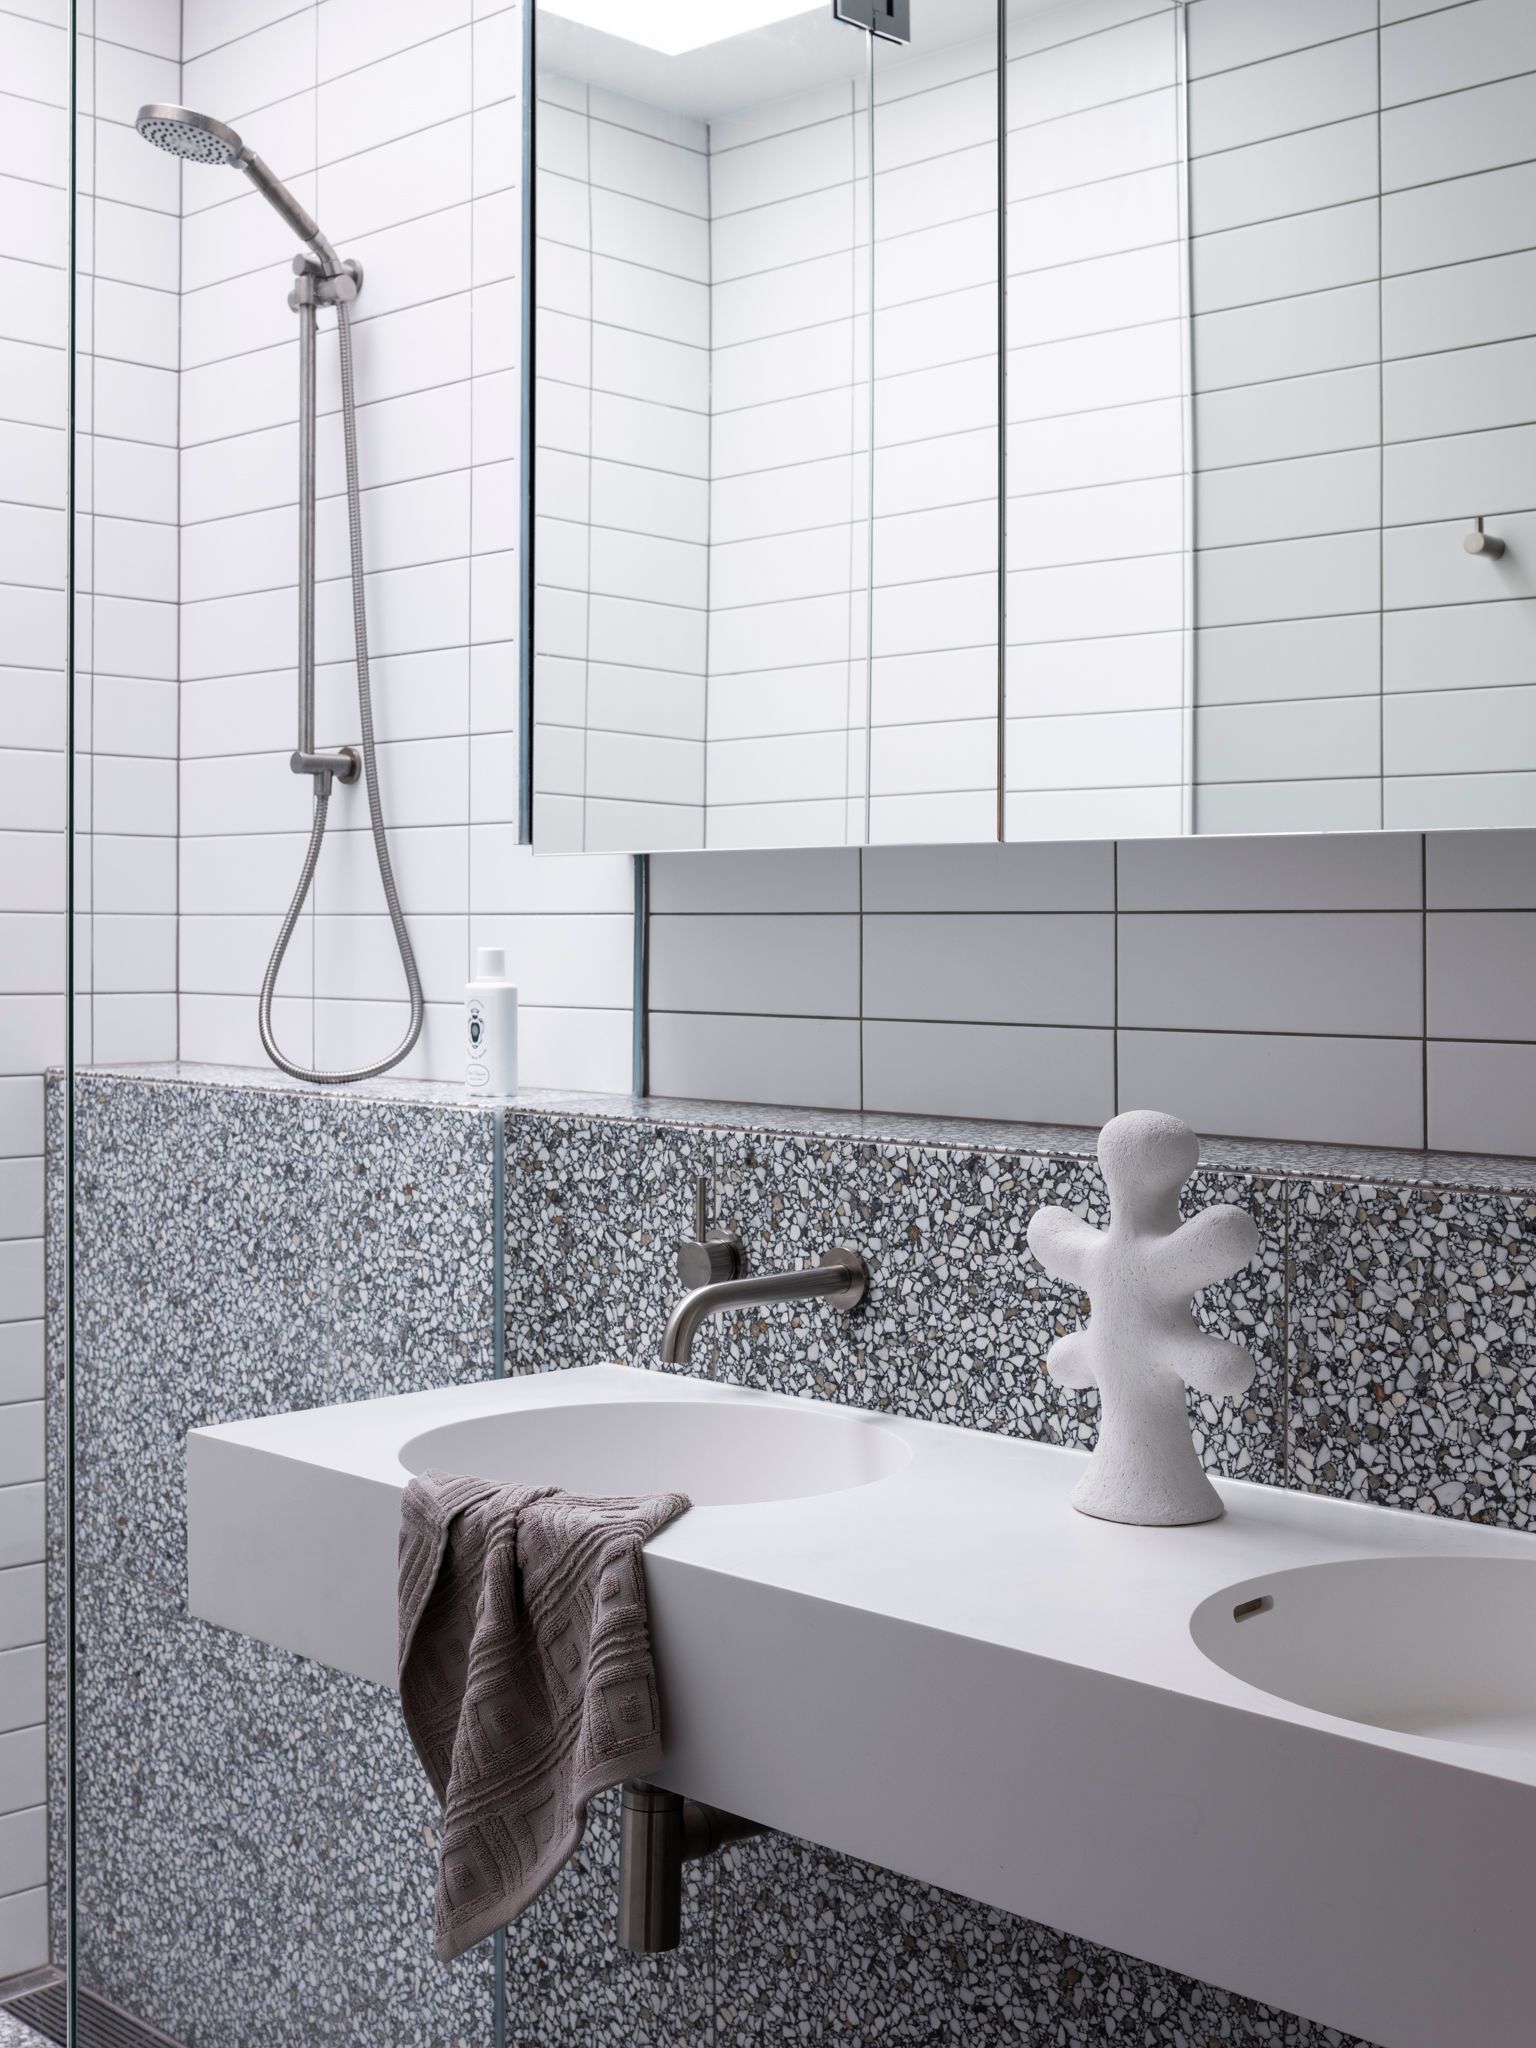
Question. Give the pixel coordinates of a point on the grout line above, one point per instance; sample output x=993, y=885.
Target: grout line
x=709, y=510
x=179, y=961
x=1381, y=464
x=1286, y=1446
x=1094, y=1026
x=1114, y=969
x=499, y=1165
x=1424, y=976
x=592, y=441
x=863, y=1019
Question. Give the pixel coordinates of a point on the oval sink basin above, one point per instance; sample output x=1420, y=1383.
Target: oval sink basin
x=720, y=1454
x=1437, y=1646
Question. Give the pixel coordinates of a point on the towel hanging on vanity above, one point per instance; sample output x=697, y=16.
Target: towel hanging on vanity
x=526, y=1677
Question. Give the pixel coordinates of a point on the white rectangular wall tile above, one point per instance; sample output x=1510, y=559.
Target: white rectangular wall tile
x=1012, y=1071
x=1008, y=969
x=812, y=1061
x=1345, y=973
x=1361, y=1091
x=1482, y=1097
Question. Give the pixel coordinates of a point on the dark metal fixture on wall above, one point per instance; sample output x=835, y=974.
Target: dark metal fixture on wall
x=889, y=19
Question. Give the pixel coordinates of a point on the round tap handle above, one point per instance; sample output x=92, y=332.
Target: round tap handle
x=711, y=1254
x=703, y=1261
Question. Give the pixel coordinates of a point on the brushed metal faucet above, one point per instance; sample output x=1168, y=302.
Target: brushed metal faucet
x=840, y=1278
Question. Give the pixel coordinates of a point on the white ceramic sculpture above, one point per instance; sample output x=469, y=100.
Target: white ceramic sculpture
x=1141, y=1345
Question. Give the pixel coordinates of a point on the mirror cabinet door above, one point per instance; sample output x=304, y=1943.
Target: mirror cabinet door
x=766, y=240
x=701, y=425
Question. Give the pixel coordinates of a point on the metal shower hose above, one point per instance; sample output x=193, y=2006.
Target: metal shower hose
x=370, y=777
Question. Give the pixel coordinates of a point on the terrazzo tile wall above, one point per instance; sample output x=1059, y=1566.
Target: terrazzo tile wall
x=255, y=1838
x=252, y=1829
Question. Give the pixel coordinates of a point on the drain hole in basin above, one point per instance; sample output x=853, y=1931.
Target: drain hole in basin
x=1245, y=1610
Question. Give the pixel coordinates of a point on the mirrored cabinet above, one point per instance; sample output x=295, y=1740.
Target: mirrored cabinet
x=954, y=421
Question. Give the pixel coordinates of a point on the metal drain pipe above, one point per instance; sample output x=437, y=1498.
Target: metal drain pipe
x=658, y=1833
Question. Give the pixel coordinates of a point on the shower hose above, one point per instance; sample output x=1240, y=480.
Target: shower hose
x=370, y=778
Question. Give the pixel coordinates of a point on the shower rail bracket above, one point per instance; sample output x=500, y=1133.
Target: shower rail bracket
x=313, y=286
x=345, y=765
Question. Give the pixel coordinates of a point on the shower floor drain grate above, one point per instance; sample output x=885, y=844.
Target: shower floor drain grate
x=99, y=2024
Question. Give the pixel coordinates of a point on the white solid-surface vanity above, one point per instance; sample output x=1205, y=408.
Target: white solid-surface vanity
x=897, y=1639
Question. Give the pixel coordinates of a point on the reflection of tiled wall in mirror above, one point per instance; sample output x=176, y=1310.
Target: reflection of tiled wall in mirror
x=791, y=611
x=934, y=673
x=1365, y=304
x=1098, y=653
x=622, y=417
x=789, y=485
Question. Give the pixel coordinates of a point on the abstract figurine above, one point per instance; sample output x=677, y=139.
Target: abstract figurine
x=1141, y=1345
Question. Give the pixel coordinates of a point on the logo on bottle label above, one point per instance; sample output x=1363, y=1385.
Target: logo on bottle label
x=478, y=1030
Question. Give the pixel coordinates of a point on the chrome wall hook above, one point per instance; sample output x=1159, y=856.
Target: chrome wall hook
x=1479, y=543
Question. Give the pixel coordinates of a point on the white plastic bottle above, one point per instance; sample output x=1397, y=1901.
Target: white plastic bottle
x=490, y=1027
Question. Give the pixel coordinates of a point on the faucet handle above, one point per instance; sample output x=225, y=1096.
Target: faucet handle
x=711, y=1253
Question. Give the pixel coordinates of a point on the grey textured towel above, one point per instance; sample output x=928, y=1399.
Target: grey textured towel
x=525, y=1676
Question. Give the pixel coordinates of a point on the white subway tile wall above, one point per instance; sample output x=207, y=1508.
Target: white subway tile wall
x=402, y=126
x=1365, y=307
x=126, y=569
x=34, y=178
x=1369, y=988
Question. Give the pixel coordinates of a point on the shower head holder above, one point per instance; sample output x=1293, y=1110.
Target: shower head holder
x=314, y=285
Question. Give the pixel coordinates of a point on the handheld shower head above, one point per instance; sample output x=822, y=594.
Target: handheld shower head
x=203, y=140
x=198, y=137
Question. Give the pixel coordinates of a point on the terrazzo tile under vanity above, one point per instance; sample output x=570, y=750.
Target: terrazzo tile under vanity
x=820, y=1948
x=569, y=1985
x=256, y=1842
x=1413, y=1340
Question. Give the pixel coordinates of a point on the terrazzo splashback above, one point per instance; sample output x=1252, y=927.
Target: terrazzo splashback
x=255, y=1837
x=1393, y=1322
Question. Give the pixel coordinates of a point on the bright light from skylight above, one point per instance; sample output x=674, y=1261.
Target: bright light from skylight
x=674, y=27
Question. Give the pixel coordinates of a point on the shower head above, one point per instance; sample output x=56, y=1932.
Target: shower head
x=197, y=137
x=202, y=140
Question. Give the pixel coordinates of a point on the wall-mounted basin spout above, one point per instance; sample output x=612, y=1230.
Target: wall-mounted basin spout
x=840, y=1278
